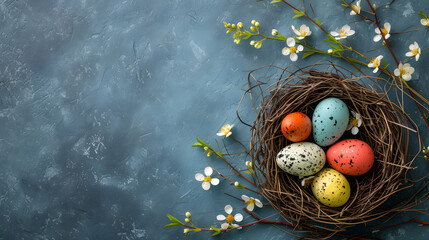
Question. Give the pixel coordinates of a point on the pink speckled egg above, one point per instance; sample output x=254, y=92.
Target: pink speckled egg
x=351, y=157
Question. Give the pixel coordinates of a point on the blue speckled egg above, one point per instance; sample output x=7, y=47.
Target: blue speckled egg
x=330, y=120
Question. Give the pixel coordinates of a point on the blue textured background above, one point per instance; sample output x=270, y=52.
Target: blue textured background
x=100, y=102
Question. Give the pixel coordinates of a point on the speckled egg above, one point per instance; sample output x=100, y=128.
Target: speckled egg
x=330, y=120
x=331, y=188
x=301, y=159
x=296, y=127
x=351, y=156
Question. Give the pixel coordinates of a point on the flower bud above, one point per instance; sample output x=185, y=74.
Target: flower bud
x=188, y=214
x=258, y=45
x=228, y=31
x=253, y=22
x=238, y=185
x=228, y=25
x=233, y=26
x=187, y=220
x=240, y=25
x=274, y=32
x=256, y=24
x=252, y=28
x=329, y=50
x=252, y=42
x=249, y=164
x=237, y=41
x=186, y=230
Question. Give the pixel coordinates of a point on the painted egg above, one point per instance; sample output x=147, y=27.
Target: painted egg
x=352, y=157
x=296, y=127
x=301, y=159
x=331, y=188
x=330, y=120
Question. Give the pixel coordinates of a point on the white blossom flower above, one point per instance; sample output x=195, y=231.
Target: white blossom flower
x=375, y=63
x=355, y=8
x=207, y=180
x=385, y=30
x=292, y=50
x=302, y=32
x=344, y=32
x=354, y=123
x=415, y=51
x=424, y=22
x=229, y=218
x=251, y=202
x=226, y=130
x=404, y=71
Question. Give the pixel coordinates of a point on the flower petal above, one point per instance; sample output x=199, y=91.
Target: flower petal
x=349, y=127
x=387, y=27
x=229, y=134
x=258, y=203
x=406, y=77
x=300, y=48
x=290, y=42
x=250, y=206
x=215, y=181
x=224, y=226
x=220, y=134
x=387, y=36
x=334, y=33
x=411, y=70
x=352, y=13
x=359, y=122
x=220, y=217
x=245, y=198
x=377, y=38
x=409, y=54
x=238, y=217
x=228, y=209
x=295, y=31
x=208, y=171
x=206, y=186
x=346, y=28
x=293, y=57
x=375, y=70
x=235, y=226
x=396, y=72
x=199, y=177
x=355, y=130
x=285, y=51
x=351, y=32
x=423, y=21
x=377, y=31
x=417, y=57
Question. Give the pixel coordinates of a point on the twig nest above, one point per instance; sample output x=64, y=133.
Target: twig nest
x=383, y=124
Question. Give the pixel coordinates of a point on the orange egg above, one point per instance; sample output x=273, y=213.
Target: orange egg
x=296, y=127
x=351, y=156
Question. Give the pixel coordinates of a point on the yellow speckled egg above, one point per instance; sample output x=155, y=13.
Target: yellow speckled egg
x=331, y=188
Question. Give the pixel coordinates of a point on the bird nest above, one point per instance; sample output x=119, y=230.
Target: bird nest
x=384, y=128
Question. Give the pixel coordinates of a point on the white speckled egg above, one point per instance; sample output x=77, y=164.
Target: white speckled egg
x=330, y=120
x=301, y=159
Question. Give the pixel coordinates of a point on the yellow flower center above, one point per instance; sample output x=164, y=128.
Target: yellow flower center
x=230, y=218
x=208, y=179
x=293, y=49
x=225, y=129
x=303, y=34
x=385, y=32
x=402, y=71
x=342, y=33
x=250, y=201
x=375, y=62
x=415, y=51
x=353, y=121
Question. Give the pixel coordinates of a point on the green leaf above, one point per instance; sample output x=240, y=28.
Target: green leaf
x=331, y=39
x=334, y=47
x=298, y=14
x=345, y=5
x=423, y=15
x=197, y=144
x=318, y=22
x=219, y=153
x=202, y=143
x=275, y=1
x=196, y=230
x=217, y=231
x=307, y=54
x=281, y=37
x=174, y=220
x=172, y=225
x=385, y=65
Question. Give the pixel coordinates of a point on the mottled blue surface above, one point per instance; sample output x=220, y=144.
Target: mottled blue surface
x=100, y=102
